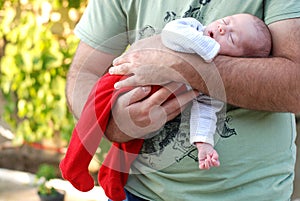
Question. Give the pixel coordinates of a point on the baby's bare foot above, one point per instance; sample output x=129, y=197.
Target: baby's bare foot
x=207, y=155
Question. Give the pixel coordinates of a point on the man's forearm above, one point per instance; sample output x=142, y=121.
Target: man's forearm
x=262, y=84
x=114, y=134
x=78, y=88
x=87, y=66
x=271, y=84
x=256, y=83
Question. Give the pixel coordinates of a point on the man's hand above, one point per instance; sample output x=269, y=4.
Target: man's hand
x=137, y=116
x=149, y=63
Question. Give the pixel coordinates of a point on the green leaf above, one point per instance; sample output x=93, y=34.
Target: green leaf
x=22, y=108
x=34, y=66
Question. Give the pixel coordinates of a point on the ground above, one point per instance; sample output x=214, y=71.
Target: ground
x=17, y=179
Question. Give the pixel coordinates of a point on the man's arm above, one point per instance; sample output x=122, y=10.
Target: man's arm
x=87, y=66
x=271, y=84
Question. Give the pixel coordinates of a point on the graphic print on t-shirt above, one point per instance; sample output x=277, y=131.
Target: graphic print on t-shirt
x=172, y=142
x=193, y=11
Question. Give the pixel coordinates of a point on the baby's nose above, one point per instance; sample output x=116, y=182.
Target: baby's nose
x=221, y=29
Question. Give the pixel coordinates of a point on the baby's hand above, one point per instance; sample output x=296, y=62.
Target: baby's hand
x=207, y=155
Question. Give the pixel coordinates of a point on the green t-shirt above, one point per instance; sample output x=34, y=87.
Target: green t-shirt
x=256, y=149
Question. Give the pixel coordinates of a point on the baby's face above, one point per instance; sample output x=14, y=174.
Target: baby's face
x=232, y=33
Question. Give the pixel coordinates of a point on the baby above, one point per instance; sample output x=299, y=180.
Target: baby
x=237, y=35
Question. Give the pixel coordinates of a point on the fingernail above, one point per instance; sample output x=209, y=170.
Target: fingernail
x=115, y=61
x=111, y=70
x=146, y=89
x=116, y=85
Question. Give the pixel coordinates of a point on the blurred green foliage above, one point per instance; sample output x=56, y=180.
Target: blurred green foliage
x=45, y=173
x=37, y=46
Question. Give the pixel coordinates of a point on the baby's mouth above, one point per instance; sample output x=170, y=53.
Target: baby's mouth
x=211, y=34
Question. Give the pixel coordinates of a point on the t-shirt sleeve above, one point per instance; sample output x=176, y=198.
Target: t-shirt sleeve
x=103, y=26
x=276, y=10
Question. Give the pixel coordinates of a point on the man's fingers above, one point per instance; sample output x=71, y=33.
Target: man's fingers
x=135, y=94
x=122, y=69
x=180, y=102
x=175, y=113
x=139, y=93
x=128, y=82
x=120, y=60
x=163, y=93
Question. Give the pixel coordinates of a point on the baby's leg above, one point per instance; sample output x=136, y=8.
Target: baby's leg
x=207, y=156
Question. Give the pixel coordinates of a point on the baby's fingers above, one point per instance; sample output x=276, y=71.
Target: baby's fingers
x=215, y=163
x=215, y=159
